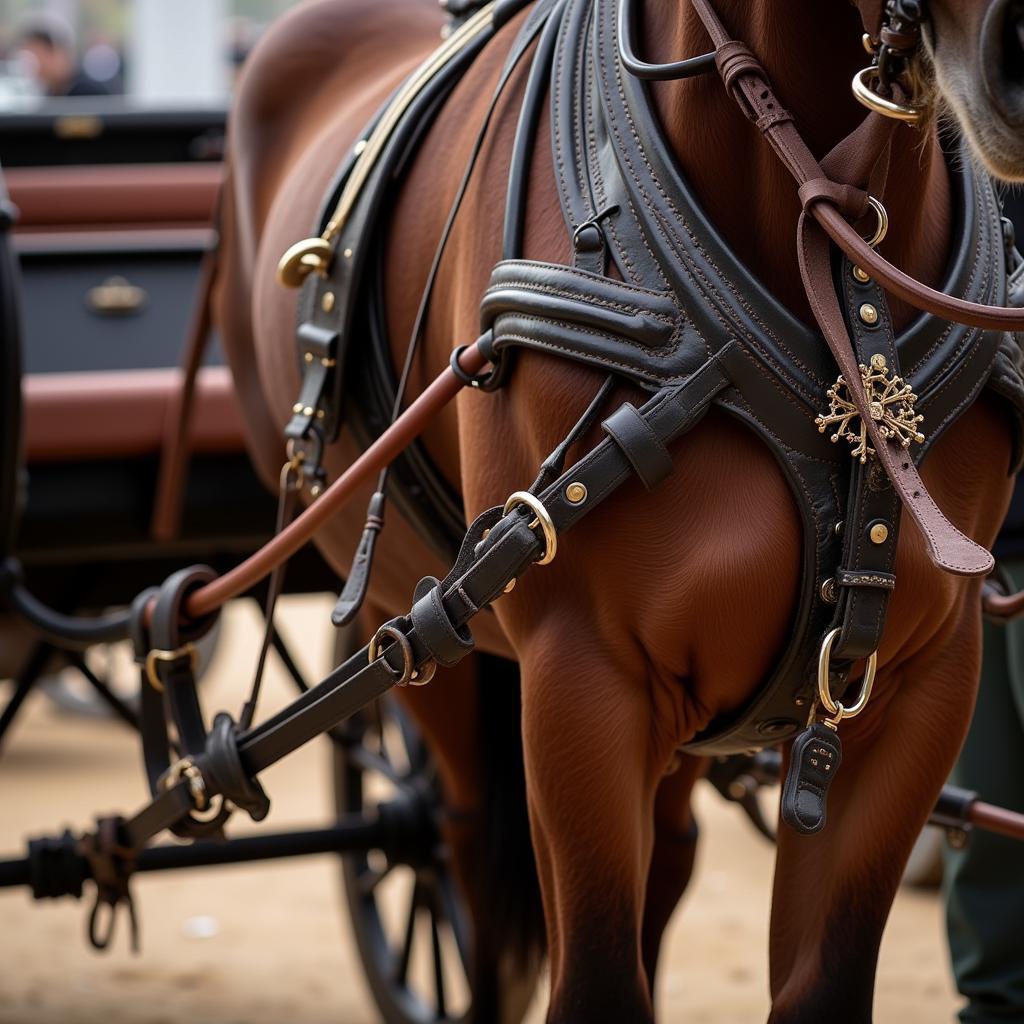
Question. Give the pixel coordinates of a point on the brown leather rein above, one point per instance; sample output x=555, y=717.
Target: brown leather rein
x=830, y=208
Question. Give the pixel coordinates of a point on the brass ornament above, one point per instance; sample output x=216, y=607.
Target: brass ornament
x=891, y=402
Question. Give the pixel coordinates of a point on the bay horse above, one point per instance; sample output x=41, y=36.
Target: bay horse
x=665, y=609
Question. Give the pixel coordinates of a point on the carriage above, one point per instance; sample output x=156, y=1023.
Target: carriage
x=388, y=794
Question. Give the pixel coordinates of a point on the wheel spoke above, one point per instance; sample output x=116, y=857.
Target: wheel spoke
x=435, y=940
x=371, y=761
x=370, y=878
x=410, y=930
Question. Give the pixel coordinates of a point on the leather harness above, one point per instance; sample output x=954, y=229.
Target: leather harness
x=685, y=322
x=682, y=308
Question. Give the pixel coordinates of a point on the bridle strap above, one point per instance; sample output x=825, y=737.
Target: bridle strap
x=748, y=83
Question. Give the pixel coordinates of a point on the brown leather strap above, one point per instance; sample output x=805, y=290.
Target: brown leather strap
x=948, y=548
x=397, y=437
x=175, y=449
x=750, y=87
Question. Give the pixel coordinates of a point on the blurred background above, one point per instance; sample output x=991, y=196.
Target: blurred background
x=145, y=52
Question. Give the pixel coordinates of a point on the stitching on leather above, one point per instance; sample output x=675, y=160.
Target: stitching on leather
x=690, y=265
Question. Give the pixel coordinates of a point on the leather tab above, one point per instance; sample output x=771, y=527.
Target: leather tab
x=318, y=348
x=639, y=443
x=815, y=758
x=352, y=595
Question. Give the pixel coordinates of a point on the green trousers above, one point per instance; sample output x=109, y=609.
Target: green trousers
x=985, y=881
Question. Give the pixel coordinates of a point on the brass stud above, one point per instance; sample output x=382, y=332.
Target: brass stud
x=347, y=254
x=320, y=414
x=359, y=147
x=800, y=702
x=308, y=357
x=308, y=411
x=878, y=361
x=868, y=314
x=510, y=586
x=327, y=301
x=828, y=591
x=315, y=491
x=861, y=275
x=879, y=533
x=297, y=407
x=576, y=493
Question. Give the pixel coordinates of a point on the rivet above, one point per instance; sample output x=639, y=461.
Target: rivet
x=297, y=407
x=576, y=493
x=308, y=411
x=347, y=254
x=327, y=301
x=737, y=791
x=359, y=147
x=878, y=361
x=510, y=586
x=879, y=533
x=320, y=414
x=861, y=275
x=828, y=591
x=868, y=314
x=838, y=528
x=485, y=534
x=308, y=357
x=315, y=491
x=800, y=702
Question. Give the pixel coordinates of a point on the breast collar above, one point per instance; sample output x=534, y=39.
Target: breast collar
x=685, y=297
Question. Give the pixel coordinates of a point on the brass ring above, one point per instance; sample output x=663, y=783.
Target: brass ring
x=543, y=520
x=833, y=707
x=863, y=91
x=411, y=676
x=883, y=222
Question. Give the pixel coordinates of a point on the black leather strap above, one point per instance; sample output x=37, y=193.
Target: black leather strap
x=647, y=455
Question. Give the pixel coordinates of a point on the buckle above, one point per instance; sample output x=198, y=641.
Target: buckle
x=186, y=650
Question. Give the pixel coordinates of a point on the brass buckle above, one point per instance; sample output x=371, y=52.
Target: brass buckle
x=154, y=656
x=185, y=769
x=542, y=519
x=834, y=707
x=864, y=87
x=410, y=675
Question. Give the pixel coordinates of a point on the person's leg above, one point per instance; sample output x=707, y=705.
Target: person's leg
x=985, y=881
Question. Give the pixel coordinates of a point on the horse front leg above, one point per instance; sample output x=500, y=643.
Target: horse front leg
x=593, y=762
x=833, y=891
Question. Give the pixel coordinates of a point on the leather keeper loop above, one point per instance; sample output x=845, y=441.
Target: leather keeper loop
x=851, y=202
x=851, y=578
x=734, y=59
x=443, y=642
x=646, y=454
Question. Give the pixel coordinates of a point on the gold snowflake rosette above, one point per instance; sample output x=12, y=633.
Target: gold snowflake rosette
x=891, y=401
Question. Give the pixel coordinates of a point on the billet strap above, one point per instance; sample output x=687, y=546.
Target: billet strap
x=948, y=547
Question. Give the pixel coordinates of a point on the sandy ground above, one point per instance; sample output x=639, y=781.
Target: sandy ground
x=266, y=943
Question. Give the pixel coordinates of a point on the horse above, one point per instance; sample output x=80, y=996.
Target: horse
x=665, y=608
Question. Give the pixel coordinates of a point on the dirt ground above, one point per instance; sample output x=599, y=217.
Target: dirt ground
x=266, y=943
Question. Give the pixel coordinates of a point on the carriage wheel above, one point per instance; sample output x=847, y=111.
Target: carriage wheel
x=409, y=922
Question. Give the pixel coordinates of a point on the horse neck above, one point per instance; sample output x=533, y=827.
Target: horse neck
x=743, y=186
